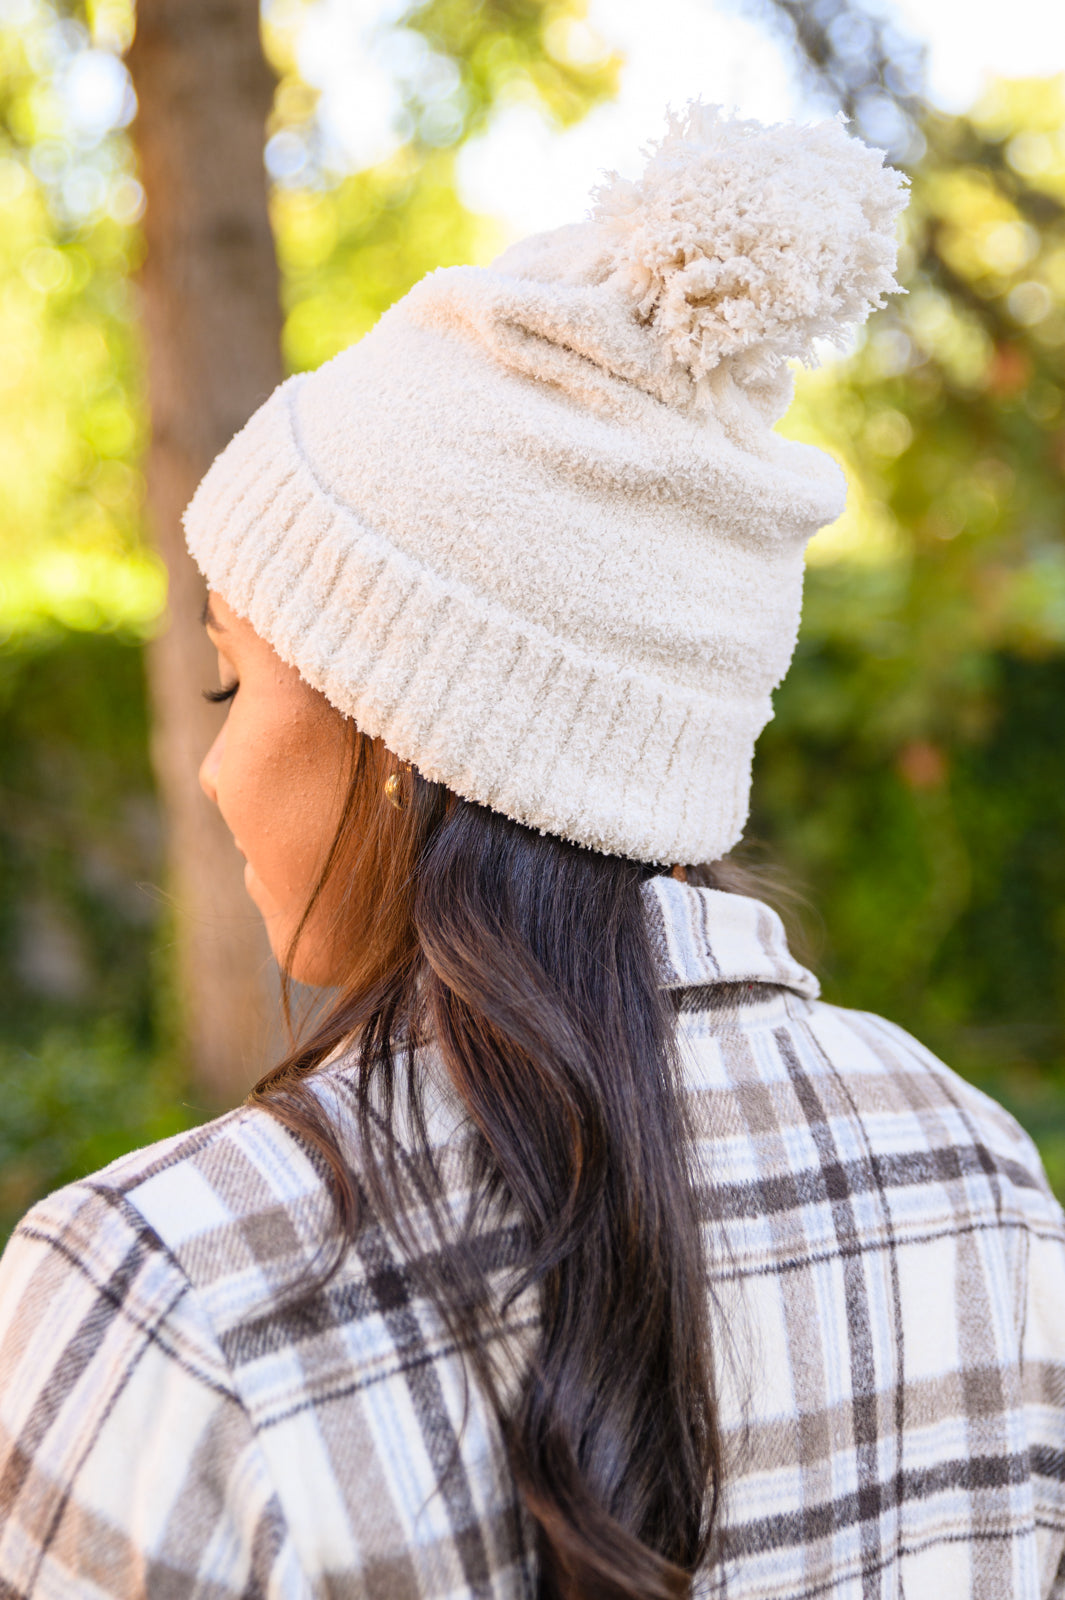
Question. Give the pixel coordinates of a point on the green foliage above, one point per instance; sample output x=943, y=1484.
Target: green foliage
x=77, y=1100
x=85, y=1072
x=81, y=1073
x=71, y=413
x=509, y=49
x=347, y=252
x=80, y=846
x=915, y=773
x=349, y=246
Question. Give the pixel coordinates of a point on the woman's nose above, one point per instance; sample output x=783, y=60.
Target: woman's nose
x=210, y=765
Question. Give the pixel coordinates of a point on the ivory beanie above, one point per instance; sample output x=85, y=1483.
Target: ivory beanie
x=535, y=530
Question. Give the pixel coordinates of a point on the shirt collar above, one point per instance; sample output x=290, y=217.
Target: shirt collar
x=706, y=936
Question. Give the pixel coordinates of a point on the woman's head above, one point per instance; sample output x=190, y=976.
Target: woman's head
x=535, y=531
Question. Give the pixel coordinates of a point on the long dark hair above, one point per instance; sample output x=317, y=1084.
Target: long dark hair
x=526, y=960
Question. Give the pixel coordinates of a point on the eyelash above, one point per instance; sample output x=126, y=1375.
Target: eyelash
x=218, y=697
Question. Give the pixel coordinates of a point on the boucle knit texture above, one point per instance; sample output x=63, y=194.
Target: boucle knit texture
x=535, y=530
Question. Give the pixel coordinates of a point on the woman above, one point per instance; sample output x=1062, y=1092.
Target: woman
x=580, y=1251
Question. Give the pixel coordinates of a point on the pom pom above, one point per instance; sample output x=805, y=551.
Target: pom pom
x=745, y=242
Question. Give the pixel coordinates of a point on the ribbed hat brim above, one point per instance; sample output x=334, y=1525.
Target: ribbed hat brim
x=476, y=697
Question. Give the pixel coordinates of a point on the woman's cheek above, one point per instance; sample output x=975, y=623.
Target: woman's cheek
x=279, y=788
x=244, y=799
x=268, y=874
x=281, y=853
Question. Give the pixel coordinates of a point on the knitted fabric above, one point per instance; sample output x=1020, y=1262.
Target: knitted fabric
x=535, y=530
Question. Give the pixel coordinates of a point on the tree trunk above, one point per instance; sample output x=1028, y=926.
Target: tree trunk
x=209, y=292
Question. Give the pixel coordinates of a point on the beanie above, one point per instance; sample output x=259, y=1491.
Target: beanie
x=535, y=530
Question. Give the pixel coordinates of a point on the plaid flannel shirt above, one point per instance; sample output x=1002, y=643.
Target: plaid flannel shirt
x=886, y=1259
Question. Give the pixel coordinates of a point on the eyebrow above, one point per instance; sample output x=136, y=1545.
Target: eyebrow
x=208, y=618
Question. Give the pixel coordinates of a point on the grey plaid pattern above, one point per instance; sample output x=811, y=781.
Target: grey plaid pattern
x=886, y=1260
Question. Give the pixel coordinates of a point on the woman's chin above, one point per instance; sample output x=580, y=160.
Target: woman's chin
x=268, y=909
x=260, y=896
x=307, y=966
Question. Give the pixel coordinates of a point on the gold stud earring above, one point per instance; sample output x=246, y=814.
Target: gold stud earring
x=394, y=791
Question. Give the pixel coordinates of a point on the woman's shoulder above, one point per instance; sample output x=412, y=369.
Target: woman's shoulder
x=241, y=1208
x=924, y=1124
x=795, y=1094
x=93, y=1273
x=237, y=1199
x=120, y=1404
x=186, y=1290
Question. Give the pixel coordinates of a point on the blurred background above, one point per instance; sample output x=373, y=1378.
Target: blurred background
x=158, y=277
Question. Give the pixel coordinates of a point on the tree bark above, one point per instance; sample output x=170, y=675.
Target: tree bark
x=211, y=317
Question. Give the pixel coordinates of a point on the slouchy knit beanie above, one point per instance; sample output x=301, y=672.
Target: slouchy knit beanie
x=535, y=530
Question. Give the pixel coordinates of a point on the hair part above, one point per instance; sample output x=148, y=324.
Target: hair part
x=526, y=961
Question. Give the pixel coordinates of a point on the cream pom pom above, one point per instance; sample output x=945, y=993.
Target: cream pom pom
x=745, y=242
